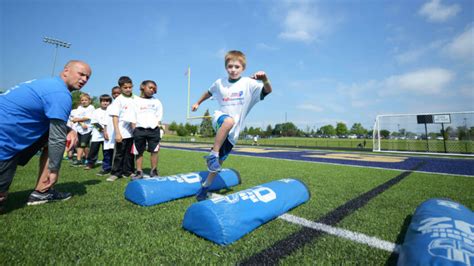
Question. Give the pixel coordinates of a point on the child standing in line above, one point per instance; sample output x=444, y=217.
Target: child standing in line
x=148, y=115
x=109, y=138
x=84, y=128
x=98, y=123
x=122, y=114
x=236, y=96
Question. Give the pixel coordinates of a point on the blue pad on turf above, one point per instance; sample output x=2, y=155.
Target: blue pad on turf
x=152, y=191
x=441, y=232
x=225, y=219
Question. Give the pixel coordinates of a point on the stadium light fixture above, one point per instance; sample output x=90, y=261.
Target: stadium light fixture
x=57, y=43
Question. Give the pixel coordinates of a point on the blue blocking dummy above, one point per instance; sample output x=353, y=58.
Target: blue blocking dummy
x=152, y=191
x=225, y=219
x=441, y=232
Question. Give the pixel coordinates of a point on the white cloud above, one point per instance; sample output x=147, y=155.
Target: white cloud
x=310, y=107
x=428, y=81
x=303, y=23
x=435, y=11
x=414, y=55
x=266, y=47
x=410, y=56
x=463, y=45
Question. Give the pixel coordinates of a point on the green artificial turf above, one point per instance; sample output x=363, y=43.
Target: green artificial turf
x=98, y=226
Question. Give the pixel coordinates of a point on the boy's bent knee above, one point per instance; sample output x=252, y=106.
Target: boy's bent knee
x=229, y=122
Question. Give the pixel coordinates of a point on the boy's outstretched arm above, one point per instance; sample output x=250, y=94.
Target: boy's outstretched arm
x=261, y=75
x=204, y=97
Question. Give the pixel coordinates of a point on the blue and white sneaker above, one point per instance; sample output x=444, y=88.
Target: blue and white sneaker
x=202, y=194
x=213, y=163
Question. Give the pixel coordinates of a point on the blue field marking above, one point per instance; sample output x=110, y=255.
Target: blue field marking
x=452, y=166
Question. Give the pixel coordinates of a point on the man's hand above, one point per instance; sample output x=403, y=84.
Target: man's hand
x=195, y=107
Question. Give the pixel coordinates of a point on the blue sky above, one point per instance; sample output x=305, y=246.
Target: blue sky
x=328, y=61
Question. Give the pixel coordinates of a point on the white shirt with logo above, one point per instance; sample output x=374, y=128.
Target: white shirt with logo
x=123, y=108
x=148, y=112
x=235, y=100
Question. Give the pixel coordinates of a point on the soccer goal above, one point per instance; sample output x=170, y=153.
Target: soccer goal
x=429, y=133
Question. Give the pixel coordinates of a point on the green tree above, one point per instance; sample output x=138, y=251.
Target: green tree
x=182, y=131
x=191, y=129
x=173, y=126
x=76, y=99
x=268, y=131
x=341, y=129
x=384, y=133
x=358, y=129
x=328, y=130
x=286, y=129
x=205, y=128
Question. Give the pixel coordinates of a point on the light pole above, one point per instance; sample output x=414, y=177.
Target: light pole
x=57, y=43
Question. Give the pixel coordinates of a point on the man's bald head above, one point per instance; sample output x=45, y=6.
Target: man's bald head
x=75, y=74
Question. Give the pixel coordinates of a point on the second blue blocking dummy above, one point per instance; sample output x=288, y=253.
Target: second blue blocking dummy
x=225, y=219
x=152, y=191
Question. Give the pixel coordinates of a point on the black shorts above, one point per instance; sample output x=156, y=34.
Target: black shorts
x=144, y=136
x=8, y=167
x=84, y=140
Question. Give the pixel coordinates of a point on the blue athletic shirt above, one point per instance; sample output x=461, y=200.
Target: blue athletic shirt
x=26, y=110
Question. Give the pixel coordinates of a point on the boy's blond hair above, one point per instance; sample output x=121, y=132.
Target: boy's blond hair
x=236, y=55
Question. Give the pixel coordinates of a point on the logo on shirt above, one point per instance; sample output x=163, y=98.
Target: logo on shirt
x=235, y=96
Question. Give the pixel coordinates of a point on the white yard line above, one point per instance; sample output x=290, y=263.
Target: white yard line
x=343, y=233
x=353, y=236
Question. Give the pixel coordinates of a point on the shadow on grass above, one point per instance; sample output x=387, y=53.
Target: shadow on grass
x=392, y=260
x=17, y=200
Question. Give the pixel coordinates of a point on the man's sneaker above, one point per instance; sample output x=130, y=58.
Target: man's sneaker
x=103, y=172
x=137, y=175
x=112, y=178
x=154, y=173
x=213, y=163
x=202, y=194
x=37, y=198
x=88, y=167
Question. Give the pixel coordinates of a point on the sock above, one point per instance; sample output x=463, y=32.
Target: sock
x=215, y=153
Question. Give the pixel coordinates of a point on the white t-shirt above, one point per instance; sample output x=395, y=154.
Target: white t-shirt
x=235, y=100
x=109, y=144
x=122, y=107
x=69, y=123
x=99, y=117
x=148, y=112
x=84, y=112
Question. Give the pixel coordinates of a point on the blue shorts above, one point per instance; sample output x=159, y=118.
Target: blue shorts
x=224, y=151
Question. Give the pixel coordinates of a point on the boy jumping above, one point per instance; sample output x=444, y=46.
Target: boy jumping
x=236, y=96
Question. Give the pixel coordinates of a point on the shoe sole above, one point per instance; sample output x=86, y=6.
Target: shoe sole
x=45, y=201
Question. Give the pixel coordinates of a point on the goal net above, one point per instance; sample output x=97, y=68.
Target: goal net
x=447, y=133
